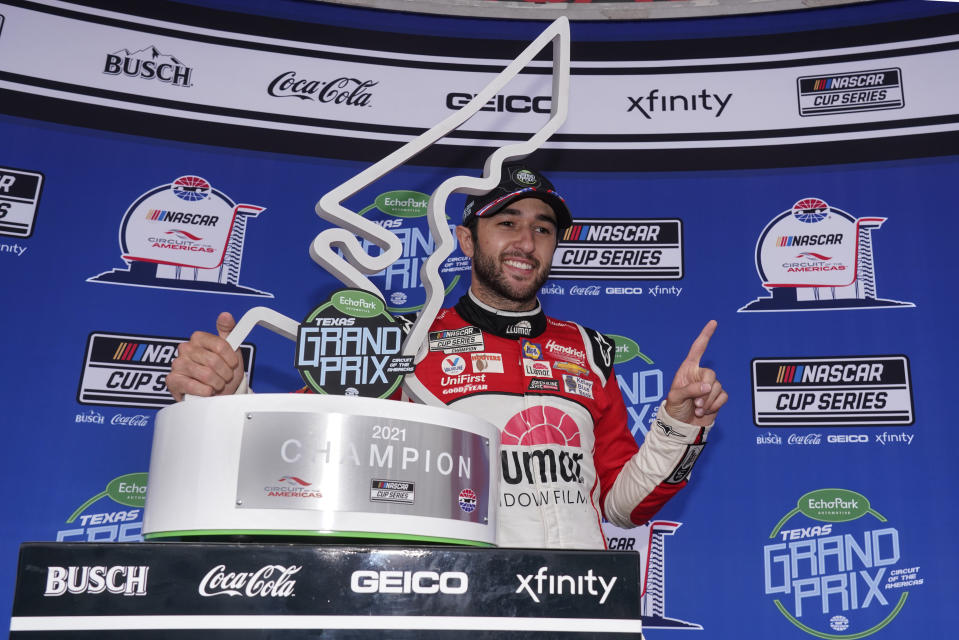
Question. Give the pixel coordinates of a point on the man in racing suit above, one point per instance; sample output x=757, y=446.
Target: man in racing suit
x=567, y=457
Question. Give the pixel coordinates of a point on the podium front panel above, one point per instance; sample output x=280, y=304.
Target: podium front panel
x=251, y=590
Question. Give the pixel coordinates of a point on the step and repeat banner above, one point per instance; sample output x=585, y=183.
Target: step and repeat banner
x=799, y=187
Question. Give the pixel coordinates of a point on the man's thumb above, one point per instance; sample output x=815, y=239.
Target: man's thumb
x=224, y=324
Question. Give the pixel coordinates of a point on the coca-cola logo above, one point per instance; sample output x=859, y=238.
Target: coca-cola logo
x=343, y=90
x=592, y=290
x=139, y=420
x=809, y=438
x=271, y=581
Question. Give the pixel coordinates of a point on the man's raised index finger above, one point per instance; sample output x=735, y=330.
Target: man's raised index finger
x=702, y=340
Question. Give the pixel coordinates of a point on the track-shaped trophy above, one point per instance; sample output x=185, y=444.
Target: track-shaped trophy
x=344, y=462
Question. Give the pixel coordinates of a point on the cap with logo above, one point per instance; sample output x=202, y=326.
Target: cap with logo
x=519, y=181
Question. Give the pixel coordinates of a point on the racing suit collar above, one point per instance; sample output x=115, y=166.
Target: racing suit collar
x=505, y=324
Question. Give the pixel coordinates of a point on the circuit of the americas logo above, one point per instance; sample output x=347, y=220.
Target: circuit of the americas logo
x=644, y=249
x=130, y=370
x=836, y=568
x=19, y=197
x=824, y=392
x=873, y=90
x=649, y=541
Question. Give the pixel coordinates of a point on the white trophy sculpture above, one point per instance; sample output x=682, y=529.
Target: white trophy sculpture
x=299, y=465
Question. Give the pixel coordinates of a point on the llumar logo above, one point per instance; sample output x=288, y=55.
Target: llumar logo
x=834, y=565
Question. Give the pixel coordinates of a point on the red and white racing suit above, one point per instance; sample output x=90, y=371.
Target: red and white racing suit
x=567, y=456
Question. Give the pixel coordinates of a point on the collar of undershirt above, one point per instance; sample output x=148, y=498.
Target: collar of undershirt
x=505, y=324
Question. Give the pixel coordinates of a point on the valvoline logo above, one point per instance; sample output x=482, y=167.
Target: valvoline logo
x=540, y=426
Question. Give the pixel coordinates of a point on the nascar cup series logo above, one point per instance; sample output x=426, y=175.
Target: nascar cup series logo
x=817, y=257
x=184, y=235
x=644, y=249
x=404, y=213
x=836, y=568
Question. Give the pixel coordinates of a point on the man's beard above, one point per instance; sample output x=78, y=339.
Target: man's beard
x=490, y=274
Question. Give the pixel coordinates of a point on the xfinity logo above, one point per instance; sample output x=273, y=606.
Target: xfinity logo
x=500, y=103
x=653, y=102
x=271, y=581
x=542, y=583
x=128, y=581
x=427, y=582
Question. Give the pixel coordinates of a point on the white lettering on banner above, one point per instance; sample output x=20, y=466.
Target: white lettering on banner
x=548, y=584
x=680, y=99
x=125, y=580
x=270, y=581
x=426, y=582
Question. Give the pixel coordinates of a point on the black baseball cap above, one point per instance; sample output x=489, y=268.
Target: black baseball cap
x=519, y=181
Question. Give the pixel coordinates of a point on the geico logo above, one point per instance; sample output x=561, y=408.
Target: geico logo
x=634, y=291
x=450, y=582
x=136, y=380
x=129, y=581
x=839, y=438
x=509, y=104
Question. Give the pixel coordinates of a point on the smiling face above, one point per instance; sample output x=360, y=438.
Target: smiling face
x=511, y=252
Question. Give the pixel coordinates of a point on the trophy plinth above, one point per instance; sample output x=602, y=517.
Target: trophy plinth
x=295, y=466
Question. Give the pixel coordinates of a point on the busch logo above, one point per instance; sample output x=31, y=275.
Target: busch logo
x=128, y=581
x=272, y=581
x=349, y=91
x=148, y=64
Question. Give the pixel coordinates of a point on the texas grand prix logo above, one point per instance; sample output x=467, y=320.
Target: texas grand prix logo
x=814, y=257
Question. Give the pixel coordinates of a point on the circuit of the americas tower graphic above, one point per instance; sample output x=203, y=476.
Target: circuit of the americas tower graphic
x=184, y=235
x=650, y=542
x=814, y=257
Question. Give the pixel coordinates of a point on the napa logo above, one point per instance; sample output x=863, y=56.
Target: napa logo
x=836, y=568
x=99, y=520
x=404, y=212
x=640, y=381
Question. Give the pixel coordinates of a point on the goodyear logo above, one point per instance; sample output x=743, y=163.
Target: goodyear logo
x=873, y=90
x=645, y=249
x=130, y=370
x=823, y=392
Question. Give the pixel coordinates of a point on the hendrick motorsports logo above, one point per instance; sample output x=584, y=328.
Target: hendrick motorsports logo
x=130, y=370
x=823, y=392
x=815, y=257
x=836, y=567
x=19, y=196
x=850, y=92
x=184, y=235
x=620, y=250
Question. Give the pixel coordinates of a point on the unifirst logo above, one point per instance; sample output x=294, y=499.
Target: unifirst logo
x=121, y=580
